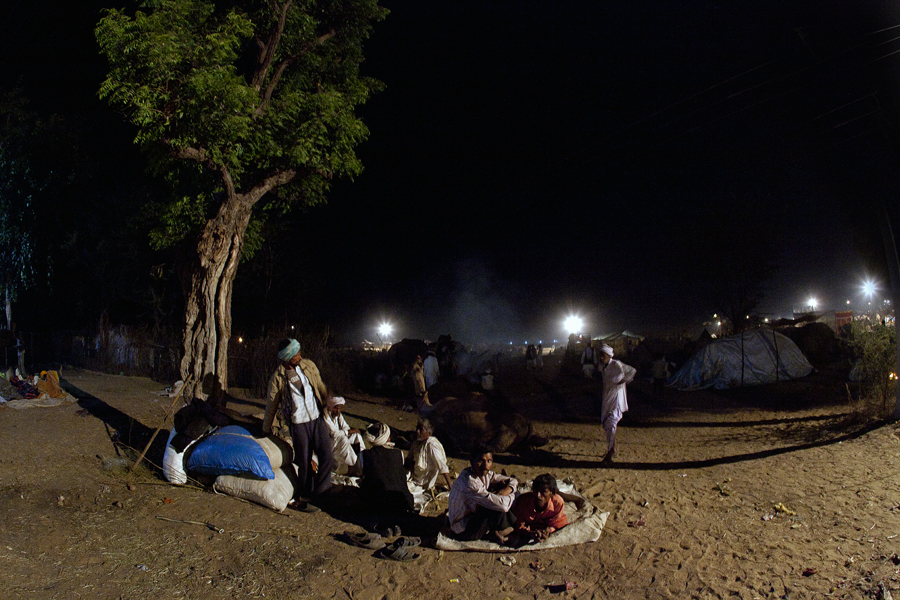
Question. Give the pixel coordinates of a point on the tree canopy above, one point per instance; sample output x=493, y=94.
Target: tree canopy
x=245, y=106
x=247, y=95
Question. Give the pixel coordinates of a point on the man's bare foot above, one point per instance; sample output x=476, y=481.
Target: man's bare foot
x=502, y=535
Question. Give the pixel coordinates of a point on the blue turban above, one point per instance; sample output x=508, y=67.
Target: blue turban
x=291, y=349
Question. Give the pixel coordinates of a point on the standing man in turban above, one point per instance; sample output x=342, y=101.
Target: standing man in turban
x=615, y=375
x=297, y=388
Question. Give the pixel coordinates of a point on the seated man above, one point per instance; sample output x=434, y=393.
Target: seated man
x=348, y=443
x=540, y=512
x=427, y=460
x=383, y=486
x=480, y=500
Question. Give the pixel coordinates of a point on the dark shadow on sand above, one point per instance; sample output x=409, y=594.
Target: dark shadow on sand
x=640, y=424
x=124, y=430
x=541, y=458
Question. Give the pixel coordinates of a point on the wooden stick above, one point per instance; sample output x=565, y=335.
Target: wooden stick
x=165, y=418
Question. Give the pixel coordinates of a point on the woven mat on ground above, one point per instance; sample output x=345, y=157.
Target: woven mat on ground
x=584, y=526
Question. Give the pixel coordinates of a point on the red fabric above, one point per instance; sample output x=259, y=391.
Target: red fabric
x=528, y=516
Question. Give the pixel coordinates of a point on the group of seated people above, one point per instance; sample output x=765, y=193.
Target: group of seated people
x=426, y=462
x=483, y=504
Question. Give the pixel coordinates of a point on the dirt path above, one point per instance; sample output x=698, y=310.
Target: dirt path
x=692, y=499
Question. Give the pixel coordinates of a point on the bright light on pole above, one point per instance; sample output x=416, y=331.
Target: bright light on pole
x=868, y=288
x=573, y=324
x=813, y=303
x=384, y=333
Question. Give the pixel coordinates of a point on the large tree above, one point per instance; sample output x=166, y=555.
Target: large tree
x=247, y=107
x=32, y=167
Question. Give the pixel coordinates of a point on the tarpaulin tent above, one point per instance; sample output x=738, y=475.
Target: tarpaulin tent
x=750, y=358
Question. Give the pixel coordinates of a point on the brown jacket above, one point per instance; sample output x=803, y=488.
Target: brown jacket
x=278, y=388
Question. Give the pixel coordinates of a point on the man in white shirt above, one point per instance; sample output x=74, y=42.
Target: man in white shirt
x=347, y=443
x=480, y=500
x=432, y=369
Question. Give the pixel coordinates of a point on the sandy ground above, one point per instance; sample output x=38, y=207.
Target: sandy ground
x=692, y=497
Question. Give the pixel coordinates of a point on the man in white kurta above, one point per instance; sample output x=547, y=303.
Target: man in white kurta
x=615, y=402
x=427, y=461
x=343, y=437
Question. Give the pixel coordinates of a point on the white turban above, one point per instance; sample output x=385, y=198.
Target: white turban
x=335, y=401
x=290, y=350
x=378, y=434
x=606, y=349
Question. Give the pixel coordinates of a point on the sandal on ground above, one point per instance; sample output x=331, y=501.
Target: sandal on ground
x=398, y=553
x=303, y=506
x=407, y=542
x=372, y=541
x=388, y=531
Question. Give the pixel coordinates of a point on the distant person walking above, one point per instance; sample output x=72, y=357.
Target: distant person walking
x=660, y=373
x=419, y=388
x=530, y=357
x=589, y=361
x=539, y=357
x=615, y=375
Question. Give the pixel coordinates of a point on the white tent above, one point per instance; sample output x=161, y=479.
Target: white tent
x=751, y=358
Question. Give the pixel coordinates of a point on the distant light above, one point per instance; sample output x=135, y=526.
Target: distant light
x=573, y=324
x=766, y=320
x=748, y=316
x=868, y=288
x=292, y=327
x=813, y=303
x=240, y=340
x=385, y=329
x=848, y=302
x=510, y=343
x=719, y=323
x=715, y=315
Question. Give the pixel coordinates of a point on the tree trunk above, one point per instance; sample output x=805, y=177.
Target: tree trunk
x=8, y=310
x=207, y=329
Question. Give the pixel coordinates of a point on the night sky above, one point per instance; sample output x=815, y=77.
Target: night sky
x=530, y=159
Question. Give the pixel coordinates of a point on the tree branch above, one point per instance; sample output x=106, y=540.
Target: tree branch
x=267, y=95
x=195, y=154
x=267, y=49
x=269, y=183
x=199, y=155
x=270, y=89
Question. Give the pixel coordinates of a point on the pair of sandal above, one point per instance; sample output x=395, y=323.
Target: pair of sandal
x=398, y=550
x=401, y=550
